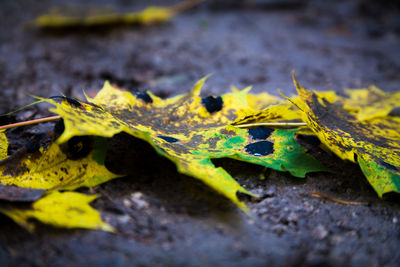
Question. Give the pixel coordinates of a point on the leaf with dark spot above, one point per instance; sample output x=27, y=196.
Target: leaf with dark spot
x=388, y=166
x=71, y=101
x=375, y=143
x=144, y=96
x=261, y=148
x=168, y=139
x=212, y=104
x=260, y=132
x=60, y=166
x=200, y=125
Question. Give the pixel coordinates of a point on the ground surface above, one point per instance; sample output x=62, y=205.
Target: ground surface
x=165, y=218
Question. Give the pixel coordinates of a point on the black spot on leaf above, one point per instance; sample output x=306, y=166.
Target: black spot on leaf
x=260, y=132
x=77, y=147
x=261, y=148
x=212, y=104
x=71, y=101
x=144, y=96
x=388, y=166
x=168, y=139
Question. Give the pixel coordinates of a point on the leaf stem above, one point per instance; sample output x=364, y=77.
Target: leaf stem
x=273, y=124
x=31, y=122
x=182, y=6
x=341, y=201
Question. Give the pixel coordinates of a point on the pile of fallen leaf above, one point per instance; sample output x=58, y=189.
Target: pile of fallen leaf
x=190, y=131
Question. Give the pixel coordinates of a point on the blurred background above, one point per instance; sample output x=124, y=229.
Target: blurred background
x=329, y=45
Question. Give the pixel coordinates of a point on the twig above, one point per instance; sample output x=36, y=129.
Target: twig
x=31, y=122
x=185, y=5
x=341, y=201
x=273, y=124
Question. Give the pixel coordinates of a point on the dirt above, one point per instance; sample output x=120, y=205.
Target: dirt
x=164, y=218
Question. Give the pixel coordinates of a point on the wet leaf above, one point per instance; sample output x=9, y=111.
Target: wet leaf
x=77, y=163
x=273, y=113
x=3, y=145
x=190, y=131
x=375, y=144
x=370, y=103
x=67, y=210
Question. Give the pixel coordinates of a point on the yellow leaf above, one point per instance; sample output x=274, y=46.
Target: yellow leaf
x=67, y=17
x=370, y=103
x=3, y=145
x=375, y=144
x=68, y=210
x=274, y=113
x=263, y=100
x=54, y=168
x=75, y=16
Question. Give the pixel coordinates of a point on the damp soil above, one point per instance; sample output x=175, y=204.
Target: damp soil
x=168, y=219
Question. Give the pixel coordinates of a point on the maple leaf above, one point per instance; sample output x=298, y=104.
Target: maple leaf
x=375, y=144
x=371, y=102
x=67, y=209
x=190, y=131
x=68, y=17
x=79, y=162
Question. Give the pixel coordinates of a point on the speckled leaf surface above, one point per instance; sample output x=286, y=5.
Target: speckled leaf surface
x=375, y=144
x=55, y=167
x=190, y=131
x=370, y=103
x=3, y=145
x=67, y=210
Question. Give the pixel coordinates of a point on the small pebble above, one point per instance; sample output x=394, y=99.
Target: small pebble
x=123, y=219
x=127, y=203
x=292, y=217
x=137, y=199
x=320, y=232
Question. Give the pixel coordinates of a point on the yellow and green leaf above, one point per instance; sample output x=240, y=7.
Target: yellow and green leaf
x=190, y=131
x=374, y=144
